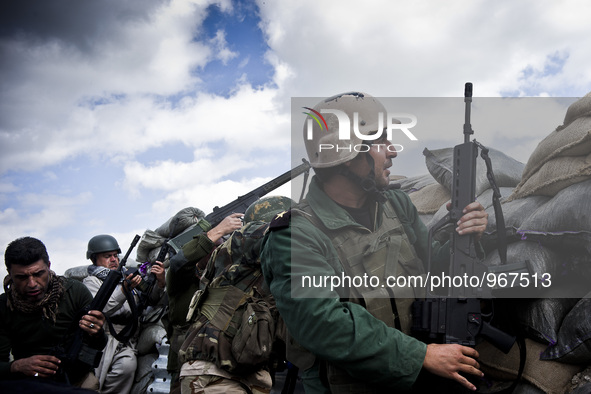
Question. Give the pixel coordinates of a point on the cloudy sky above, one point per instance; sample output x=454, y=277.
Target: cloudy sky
x=114, y=115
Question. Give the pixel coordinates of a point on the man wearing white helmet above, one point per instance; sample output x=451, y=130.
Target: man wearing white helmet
x=355, y=337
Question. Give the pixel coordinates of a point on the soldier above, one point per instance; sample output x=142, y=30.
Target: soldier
x=182, y=282
x=39, y=312
x=230, y=347
x=356, y=338
x=119, y=362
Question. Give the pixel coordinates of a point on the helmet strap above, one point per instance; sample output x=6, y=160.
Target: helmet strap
x=368, y=182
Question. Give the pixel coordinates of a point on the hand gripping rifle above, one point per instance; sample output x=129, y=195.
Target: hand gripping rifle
x=456, y=317
x=147, y=284
x=238, y=205
x=78, y=352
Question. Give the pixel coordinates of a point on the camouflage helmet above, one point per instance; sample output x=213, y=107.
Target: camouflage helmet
x=102, y=243
x=265, y=208
x=361, y=108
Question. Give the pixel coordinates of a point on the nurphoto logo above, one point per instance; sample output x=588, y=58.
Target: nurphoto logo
x=391, y=121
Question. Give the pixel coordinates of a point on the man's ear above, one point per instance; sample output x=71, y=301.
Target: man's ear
x=48, y=264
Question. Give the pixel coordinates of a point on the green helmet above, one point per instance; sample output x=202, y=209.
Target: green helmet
x=102, y=243
x=265, y=209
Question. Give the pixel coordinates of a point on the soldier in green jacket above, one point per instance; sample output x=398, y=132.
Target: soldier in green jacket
x=39, y=311
x=353, y=336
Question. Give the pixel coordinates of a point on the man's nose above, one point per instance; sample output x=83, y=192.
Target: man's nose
x=391, y=149
x=31, y=282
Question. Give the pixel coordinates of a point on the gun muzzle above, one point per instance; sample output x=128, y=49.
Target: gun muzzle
x=468, y=90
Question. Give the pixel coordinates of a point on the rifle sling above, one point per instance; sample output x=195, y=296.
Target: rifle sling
x=501, y=230
x=126, y=332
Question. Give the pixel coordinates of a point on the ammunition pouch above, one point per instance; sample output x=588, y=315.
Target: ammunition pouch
x=230, y=328
x=253, y=341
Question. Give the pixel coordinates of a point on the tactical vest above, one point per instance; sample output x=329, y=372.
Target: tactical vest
x=385, y=252
x=235, y=315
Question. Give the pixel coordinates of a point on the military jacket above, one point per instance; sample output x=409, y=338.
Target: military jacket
x=340, y=332
x=182, y=282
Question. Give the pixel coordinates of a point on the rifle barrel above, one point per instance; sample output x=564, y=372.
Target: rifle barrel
x=238, y=205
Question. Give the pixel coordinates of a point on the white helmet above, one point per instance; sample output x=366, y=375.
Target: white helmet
x=321, y=128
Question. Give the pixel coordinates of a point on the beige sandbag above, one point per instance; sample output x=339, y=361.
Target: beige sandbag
x=572, y=140
x=550, y=376
x=581, y=107
x=555, y=175
x=564, y=140
x=430, y=198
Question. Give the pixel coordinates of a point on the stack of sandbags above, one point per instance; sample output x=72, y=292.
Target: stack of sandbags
x=561, y=159
x=149, y=246
x=152, y=335
x=550, y=208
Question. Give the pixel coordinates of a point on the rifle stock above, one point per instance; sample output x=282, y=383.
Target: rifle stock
x=455, y=316
x=238, y=205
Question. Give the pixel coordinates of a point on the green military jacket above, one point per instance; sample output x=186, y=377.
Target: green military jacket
x=28, y=334
x=181, y=279
x=340, y=332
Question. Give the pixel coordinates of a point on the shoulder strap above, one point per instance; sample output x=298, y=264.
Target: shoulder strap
x=126, y=332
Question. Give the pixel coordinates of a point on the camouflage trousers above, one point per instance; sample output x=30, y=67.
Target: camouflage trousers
x=176, y=340
x=210, y=384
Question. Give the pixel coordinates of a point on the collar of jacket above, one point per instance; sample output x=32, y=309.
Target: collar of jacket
x=332, y=215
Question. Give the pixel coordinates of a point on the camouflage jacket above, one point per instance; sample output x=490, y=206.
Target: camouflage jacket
x=235, y=320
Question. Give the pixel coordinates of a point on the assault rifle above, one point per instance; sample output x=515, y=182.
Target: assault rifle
x=238, y=205
x=456, y=317
x=78, y=352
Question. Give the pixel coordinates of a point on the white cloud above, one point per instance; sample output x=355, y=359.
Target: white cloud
x=40, y=215
x=169, y=175
x=424, y=48
x=223, y=53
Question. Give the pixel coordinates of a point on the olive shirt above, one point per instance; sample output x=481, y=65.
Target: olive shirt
x=29, y=334
x=341, y=332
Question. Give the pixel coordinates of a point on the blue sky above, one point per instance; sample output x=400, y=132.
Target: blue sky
x=116, y=115
x=245, y=45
